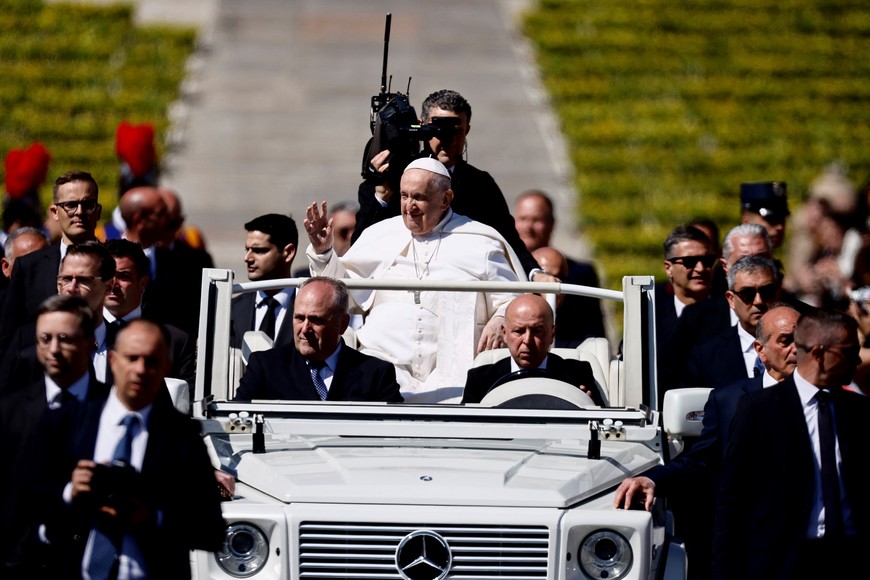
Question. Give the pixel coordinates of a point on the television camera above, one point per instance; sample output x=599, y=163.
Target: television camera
x=395, y=125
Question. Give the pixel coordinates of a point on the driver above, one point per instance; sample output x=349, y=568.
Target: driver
x=528, y=330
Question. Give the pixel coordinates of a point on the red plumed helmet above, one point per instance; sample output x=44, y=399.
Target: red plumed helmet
x=26, y=170
x=134, y=144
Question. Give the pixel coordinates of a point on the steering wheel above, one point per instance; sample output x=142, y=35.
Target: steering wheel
x=535, y=389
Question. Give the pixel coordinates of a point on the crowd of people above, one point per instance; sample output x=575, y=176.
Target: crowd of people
x=93, y=323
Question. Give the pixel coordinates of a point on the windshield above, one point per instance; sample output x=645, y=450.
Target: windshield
x=323, y=357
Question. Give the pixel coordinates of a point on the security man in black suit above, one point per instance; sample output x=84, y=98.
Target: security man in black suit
x=319, y=365
x=76, y=210
x=793, y=501
x=123, y=303
x=35, y=424
x=691, y=477
x=476, y=194
x=270, y=246
x=528, y=331
x=131, y=519
x=730, y=356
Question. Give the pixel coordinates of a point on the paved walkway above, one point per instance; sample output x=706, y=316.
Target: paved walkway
x=276, y=109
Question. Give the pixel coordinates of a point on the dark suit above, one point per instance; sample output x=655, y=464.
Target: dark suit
x=689, y=480
x=281, y=373
x=475, y=195
x=175, y=456
x=173, y=297
x=36, y=446
x=579, y=317
x=243, y=317
x=34, y=278
x=768, y=485
x=480, y=379
x=717, y=362
x=698, y=322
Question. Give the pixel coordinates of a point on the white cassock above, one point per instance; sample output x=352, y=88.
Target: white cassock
x=431, y=338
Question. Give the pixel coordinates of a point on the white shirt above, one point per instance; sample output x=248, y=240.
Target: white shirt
x=283, y=297
x=134, y=314
x=100, y=356
x=807, y=393
x=78, y=389
x=747, y=345
x=515, y=367
x=678, y=306
x=327, y=371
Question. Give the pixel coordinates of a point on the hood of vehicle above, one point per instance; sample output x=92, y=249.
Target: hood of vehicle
x=533, y=473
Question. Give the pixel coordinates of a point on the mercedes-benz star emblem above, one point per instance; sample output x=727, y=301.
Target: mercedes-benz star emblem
x=423, y=555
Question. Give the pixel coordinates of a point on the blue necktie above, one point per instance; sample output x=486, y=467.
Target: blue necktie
x=758, y=369
x=104, y=551
x=319, y=385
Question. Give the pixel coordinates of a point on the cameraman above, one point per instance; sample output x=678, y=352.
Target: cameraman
x=476, y=195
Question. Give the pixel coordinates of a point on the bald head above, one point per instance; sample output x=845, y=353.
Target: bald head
x=552, y=261
x=144, y=211
x=774, y=336
x=529, y=330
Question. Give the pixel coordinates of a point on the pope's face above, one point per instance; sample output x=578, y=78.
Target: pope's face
x=422, y=208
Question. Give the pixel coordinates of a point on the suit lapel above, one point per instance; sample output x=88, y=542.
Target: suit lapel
x=346, y=374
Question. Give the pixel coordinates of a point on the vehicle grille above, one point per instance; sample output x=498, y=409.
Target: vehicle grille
x=353, y=550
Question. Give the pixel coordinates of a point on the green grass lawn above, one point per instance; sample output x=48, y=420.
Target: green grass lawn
x=668, y=106
x=70, y=73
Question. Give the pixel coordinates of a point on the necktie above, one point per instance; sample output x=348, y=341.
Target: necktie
x=268, y=323
x=319, y=385
x=104, y=551
x=758, y=369
x=830, y=479
x=112, y=330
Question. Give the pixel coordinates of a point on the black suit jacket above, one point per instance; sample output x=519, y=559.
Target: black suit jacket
x=768, y=482
x=242, y=313
x=34, y=278
x=579, y=317
x=475, y=195
x=480, y=379
x=717, y=362
x=173, y=297
x=281, y=373
x=175, y=458
x=36, y=445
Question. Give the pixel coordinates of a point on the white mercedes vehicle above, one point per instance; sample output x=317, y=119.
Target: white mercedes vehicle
x=519, y=486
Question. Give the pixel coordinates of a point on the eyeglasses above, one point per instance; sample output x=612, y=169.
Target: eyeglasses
x=747, y=295
x=689, y=262
x=84, y=281
x=45, y=339
x=87, y=205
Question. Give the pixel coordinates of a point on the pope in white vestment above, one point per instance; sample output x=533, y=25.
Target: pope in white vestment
x=430, y=337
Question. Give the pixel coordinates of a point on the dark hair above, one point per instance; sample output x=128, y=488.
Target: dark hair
x=751, y=264
x=280, y=228
x=820, y=325
x=75, y=175
x=98, y=251
x=122, y=248
x=21, y=211
x=684, y=234
x=447, y=100
x=74, y=305
x=340, y=298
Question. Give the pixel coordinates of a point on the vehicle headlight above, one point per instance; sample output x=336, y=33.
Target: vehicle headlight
x=605, y=554
x=245, y=550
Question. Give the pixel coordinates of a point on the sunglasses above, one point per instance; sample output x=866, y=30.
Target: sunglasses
x=87, y=205
x=689, y=262
x=747, y=295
